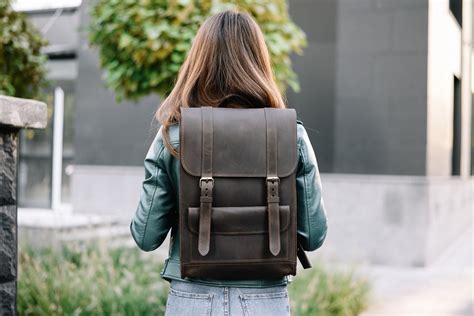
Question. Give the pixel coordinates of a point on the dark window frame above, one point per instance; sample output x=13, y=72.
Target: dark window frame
x=455, y=6
x=457, y=127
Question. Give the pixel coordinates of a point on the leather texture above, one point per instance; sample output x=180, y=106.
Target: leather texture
x=208, y=132
x=157, y=210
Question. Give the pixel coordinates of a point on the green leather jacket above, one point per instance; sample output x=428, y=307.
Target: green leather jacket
x=157, y=211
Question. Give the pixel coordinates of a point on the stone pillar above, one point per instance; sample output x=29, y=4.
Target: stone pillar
x=14, y=114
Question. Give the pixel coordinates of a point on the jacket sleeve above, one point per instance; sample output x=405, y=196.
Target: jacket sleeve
x=154, y=215
x=312, y=219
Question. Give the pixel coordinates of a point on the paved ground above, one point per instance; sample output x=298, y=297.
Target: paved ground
x=444, y=289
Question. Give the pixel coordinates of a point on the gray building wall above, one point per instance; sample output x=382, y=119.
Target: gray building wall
x=107, y=132
x=363, y=84
x=377, y=85
x=316, y=72
x=381, y=80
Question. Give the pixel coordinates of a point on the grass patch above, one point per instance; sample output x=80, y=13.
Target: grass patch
x=94, y=280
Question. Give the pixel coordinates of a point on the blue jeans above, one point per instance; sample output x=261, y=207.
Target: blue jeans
x=193, y=299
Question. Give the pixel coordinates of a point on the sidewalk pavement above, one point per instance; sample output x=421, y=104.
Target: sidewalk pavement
x=442, y=289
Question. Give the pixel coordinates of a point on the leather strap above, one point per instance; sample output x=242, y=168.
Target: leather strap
x=273, y=199
x=206, y=182
x=303, y=257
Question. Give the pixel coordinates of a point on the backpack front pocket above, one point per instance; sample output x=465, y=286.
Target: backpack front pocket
x=238, y=233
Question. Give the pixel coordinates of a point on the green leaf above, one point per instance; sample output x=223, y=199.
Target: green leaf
x=22, y=65
x=125, y=40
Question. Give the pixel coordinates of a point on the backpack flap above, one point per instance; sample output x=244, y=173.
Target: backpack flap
x=239, y=142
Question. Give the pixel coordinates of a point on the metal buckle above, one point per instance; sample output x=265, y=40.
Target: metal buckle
x=273, y=179
x=206, y=179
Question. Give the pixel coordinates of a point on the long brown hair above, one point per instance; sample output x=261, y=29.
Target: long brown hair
x=228, y=65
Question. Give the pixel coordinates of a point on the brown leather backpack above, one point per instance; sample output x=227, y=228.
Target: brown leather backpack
x=237, y=192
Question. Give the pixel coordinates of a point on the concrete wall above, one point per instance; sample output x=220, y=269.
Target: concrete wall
x=451, y=205
x=107, y=190
x=380, y=96
x=396, y=220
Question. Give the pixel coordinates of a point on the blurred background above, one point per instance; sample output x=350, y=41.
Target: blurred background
x=386, y=97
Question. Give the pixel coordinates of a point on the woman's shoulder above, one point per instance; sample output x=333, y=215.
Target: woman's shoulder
x=301, y=134
x=157, y=148
x=173, y=135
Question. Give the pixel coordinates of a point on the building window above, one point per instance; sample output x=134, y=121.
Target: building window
x=455, y=6
x=456, y=155
x=472, y=135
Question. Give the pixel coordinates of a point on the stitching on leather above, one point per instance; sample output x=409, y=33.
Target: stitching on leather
x=239, y=175
x=153, y=195
x=236, y=262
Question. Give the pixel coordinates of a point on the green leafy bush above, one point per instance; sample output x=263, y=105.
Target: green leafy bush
x=323, y=293
x=22, y=70
x=143, y=43
x=89, y=281
x=96, y=281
